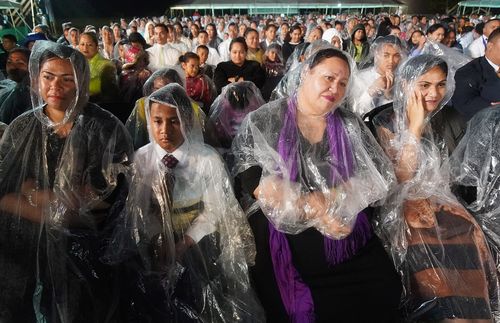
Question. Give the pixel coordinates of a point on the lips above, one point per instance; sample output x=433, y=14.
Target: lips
x=329, y=98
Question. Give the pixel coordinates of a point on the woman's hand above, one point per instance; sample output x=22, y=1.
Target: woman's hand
x=389, y=77
x=415, y=110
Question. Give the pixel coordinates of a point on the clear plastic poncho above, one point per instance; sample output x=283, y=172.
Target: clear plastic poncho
x=61, y=188
x=231, y=107
x=475, y=164
x=206, y=281
x=374, y=81
x=437, y=246
x=347, y=170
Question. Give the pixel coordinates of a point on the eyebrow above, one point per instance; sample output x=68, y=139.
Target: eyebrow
x=57, y=74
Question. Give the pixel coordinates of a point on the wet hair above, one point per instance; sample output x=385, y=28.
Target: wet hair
x=48, y=55
x=435, y=27
x=187, y=56
x=240, y=40
x=238, y=96
x=24, y=51
x=424, y=63
x=91, y=35
x=323, y=54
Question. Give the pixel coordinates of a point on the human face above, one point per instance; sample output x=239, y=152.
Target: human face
x=232, y=31
x=437, y=35
x=158, y=83
x=314, y=35
x=359, y=34
x=238, y=54
x=8, y=44
x=161, y=35
x=178, y=30
x=323, y=87
x=117, y=33
x=191, y=67
x=451, y=38
x=339, y=27
x=493, y=51
x=272, y=55
x=242, y=28
x=203, y=54
x=396, y=32
x=57, y=83
x=73, y=36
x=17, y=67
x=151, y=30
x=490, y=26
x=415, y=38
x=336, y=42
x=284, y=29
x=295, y=36
x=252, y=40
x=107, y=36
x=432, y=85
x=166, y=127
x=87, y=46
x=388, y=58
x=211, y=31
x=202, y=39
x=271, y=34
x=194, y=30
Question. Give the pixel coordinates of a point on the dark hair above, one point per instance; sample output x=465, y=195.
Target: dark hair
x=270, y=25
x=250, y=30
x=24, y=51
x=186, y=57
x=424, y=62
x=211, y=24
x=323, y=54
x=10, y=37
x=240, y=40
x=339, y=23
x=392, y=27
x=162, y=25
x=91, y=35
x=479, y=28
x=136, y=37
x=435, y=27
x=494, y=35
x=203, y=47
x=202, y=32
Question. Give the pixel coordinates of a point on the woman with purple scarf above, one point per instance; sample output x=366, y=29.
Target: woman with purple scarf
x=313, y=170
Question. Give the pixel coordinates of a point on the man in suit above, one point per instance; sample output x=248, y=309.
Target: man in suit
x=478, y=82
x=270, y=32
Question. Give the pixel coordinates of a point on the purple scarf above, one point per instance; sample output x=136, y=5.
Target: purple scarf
x=295, y=294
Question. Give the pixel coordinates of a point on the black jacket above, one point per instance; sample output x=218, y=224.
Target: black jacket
x=477, y=86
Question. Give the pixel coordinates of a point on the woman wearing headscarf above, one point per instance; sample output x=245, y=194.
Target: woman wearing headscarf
x=186, y=223
x=437, y=246
x=310, y=170
x=61, y=183
x=474, y=167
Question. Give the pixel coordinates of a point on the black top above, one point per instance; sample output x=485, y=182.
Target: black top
x=287, y=50
x=249, y=71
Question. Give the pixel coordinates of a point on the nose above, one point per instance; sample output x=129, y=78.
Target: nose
x=432, y=93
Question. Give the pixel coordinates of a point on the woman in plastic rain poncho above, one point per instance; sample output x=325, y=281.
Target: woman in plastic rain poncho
x=186, y=222
x=60, y=167
x=314, y=169
x=437, y=246
x=475, y=165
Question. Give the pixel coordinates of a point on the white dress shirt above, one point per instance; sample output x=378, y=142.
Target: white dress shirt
x=477, y=47
x=198, y=177
x=224, y=50
x=156, y=61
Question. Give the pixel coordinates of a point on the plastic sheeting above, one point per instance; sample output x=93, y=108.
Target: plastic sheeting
x=475, y=164
x=351, y=173
x=373, y=85
x=231, y=107
x=192, y=238
x=61, y=188
x=438, y=247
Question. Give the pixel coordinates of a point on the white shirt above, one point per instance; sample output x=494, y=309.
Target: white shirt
x=224, y=50
x=198, y=178
x=477, y=47
x=170, y=56
x=180, y=46
x=363, y=102
x=213, y=56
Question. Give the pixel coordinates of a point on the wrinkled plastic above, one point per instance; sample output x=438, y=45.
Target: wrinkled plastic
x=475, y=163
x=59, y=196
x=208, y=281
x=231, y=107
x=366, y=94
x=291, y=80
x=437, y=246
x=346, y=178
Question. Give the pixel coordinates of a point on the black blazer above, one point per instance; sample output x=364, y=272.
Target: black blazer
x=477, y=85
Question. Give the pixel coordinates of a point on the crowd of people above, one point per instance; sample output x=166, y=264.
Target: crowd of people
x=300, y=169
